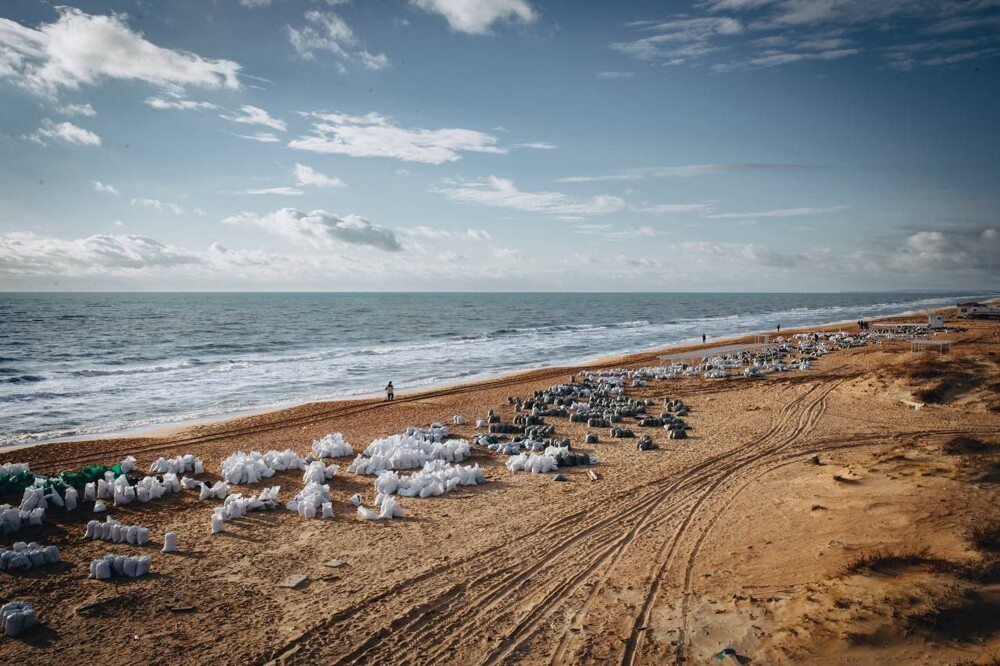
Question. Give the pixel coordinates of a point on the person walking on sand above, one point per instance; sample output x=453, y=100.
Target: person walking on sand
x=390, y=392
x=779, y=328
x=703, y=338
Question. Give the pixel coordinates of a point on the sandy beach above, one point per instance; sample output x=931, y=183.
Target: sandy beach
x=811, y=517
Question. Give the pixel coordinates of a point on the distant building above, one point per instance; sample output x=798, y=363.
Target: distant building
x=935, y=322
x=973, y=310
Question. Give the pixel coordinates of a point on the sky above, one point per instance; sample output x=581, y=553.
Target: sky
x=500, y=145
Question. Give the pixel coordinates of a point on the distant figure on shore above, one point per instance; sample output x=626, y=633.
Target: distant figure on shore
x=779, y=328
x=390, y=392
x=703, y=338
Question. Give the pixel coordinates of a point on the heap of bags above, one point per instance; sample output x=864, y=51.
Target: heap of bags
x=407, y=451
x=312, y=497
x=236, y=505
x=534, y=463
x=332, y=446
x=437, y=477
x=316, y=472
x=26, y=556
x=437, y=432
x=242, y=467
x=115, y=532
x=178, y=465
x=119, y=565
x=11, y=519
x=119, y=489
x=388, y=507
x=17, y=616
x=217, y=491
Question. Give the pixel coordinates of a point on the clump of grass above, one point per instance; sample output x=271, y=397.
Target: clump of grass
x=985, y=537
x=964, y=445
x=886, y=559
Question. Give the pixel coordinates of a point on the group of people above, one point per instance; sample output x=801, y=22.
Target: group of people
x=862, y=325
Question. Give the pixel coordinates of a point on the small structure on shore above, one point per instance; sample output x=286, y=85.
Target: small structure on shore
x=941, y=346
x=974, y=310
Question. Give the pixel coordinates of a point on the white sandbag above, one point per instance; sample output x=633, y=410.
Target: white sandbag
x=459, y=419
x=170, y=542
x=17, y=617
x=367, y=514
x=55, y=498
x=36, y=516
x=218, y=524
x=100, y=507
x=390, y=509
x=327, y=509
x=101, y=569
x=142, y=536
x=71, y=497
x=356, y=499
x=190, y=483
x=332, y=446
x=127, y=465
x=90, y=491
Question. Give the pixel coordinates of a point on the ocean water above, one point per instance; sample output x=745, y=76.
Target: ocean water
x=86, y=364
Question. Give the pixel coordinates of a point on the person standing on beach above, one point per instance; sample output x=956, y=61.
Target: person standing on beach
x=779, y=328
x=390, y=392
x=703, y=338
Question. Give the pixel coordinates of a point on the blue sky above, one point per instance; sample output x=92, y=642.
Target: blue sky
x=776, y=145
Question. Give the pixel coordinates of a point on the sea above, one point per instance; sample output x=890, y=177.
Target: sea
x=91, y=364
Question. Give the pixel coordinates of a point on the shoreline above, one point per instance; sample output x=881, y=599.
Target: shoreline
x=187, y=427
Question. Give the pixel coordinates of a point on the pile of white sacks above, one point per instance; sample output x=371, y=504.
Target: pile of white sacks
x=146, y=489
x=219, y=490
x=119, y=565
x=12, y=519
x=236, y=506
x=437, y=477
x=408, y=451
x=312, y=497
x=26, y=556
x=242, y=467
x=178, y=465
x=10, y=469
x=115, y=532
x=388, y=508
x=17, y=616
x=332, y=446
x=536, y=463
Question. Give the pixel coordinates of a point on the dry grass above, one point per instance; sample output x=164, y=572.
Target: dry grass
x=940, y=379
x=962, y=445
x=883, y=559
x=985, y=537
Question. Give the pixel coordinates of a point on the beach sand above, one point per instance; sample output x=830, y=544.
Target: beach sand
x=738, y=537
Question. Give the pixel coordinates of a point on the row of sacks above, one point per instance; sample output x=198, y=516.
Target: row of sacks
x=437, y=477
x=407, y=452
x=179, y=465
x=388, y=508
x=218, y=490
x=120, y=565
x=436, y=432
x=332, y=446
x=236, y=506
x=242, y=467
x=313, y=499
x=24, y=556
x=115, y=532
x=565, y=457
x=35, y=497
x=12, y=519
x=123, y=492
x=535, y=463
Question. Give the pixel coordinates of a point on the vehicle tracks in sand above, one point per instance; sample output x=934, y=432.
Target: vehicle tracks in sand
x=500, y=593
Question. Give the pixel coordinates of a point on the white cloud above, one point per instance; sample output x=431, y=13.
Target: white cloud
x=255, y=4
x=675, y=209
x=680, y=40
x=614, y=75
x=262, y=137
x=102, y=187
x=180, y=104
x=306, y=175
x=973, y=251
x=538, y=145
x=64, y=131
x=687, y=171
x=80, y=49
x=781, y=212
x=499, y=192
x=479, y=235
x=327, y=31
x=77, y=110
x=375, y=135
x=159, y=206
x=28, y=254
x=475, y=17
x=286, y=191
x=253, y=115
x=320, y=228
